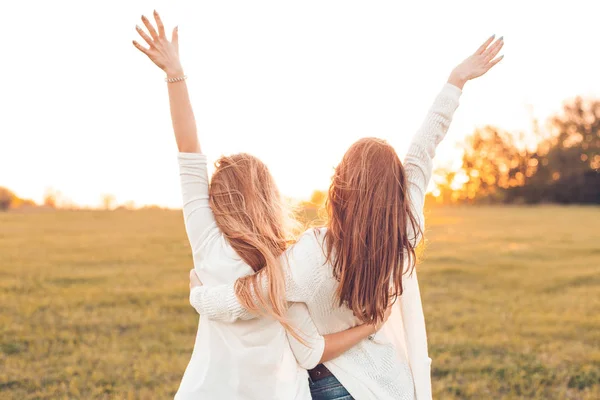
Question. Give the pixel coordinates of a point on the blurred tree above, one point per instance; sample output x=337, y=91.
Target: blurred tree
x=10, y=200
x=492, y=161
x=108, y=201
x=444, y=179
x=311, y=212
x=564, y=168
x=50, y=198
x=19, y=202
x=568, y=163
x=318, y=197
x=6, y=198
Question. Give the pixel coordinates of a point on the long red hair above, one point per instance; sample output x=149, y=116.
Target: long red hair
x=372, y=231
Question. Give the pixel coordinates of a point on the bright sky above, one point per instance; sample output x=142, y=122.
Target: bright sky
x=295, y=83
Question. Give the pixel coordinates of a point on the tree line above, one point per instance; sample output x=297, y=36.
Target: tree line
x=563, y=167
x=54, y=199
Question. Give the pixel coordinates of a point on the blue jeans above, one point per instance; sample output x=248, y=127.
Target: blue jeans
x=328, y=388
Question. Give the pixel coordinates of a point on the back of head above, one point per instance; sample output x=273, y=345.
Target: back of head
x=248, y=210
x=370, y=221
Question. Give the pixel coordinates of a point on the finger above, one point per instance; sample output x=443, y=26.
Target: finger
x=175, y=36
x=494, y=53
x=484, y=46
x=144, y=36
x=150, y=28
x=494, y=62
x=141, y=48
x=159, y=24
x=494, y=49
x=192, y=273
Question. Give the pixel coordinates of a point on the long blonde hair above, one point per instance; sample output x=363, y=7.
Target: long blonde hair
x=249, y=211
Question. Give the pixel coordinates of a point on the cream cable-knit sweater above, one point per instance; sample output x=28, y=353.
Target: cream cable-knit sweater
x=395, y=364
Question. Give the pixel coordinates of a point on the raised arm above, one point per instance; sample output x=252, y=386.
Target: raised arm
x=165, y=54
x=418, y=167
x=192, y=165
x=418, y=163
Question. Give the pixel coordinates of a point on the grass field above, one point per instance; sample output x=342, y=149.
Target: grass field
x=94, y=304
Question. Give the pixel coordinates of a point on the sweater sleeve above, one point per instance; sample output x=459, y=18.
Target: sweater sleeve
x=307, y=354
x=220, y=303
x=197, y=214
x=301, y=283
x=413, y=321
x=418, y=163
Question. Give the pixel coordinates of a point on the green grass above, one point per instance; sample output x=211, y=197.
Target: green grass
x=94, y=304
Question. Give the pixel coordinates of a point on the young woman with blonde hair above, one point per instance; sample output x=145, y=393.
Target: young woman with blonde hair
x=236, y=227
x=352, y=270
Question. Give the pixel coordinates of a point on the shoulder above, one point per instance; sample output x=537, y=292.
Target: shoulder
x=311, y=239
x=307, y=253
x=214, y=244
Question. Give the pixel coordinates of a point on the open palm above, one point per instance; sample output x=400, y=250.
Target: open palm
x=479, y=62
x=162, y=52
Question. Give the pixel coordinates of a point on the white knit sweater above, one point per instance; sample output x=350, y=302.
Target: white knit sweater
x=395, y=364
x=248, y=360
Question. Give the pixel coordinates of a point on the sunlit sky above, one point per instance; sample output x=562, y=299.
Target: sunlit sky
x=295, y=83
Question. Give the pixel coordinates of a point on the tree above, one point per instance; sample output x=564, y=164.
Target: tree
x=492, y=161
x=318, y=198
x=564, y=168
x=568, y=163
x=108, y=201
x=51, y=198
x=575, y=145
x=6, y=198
x=311, y=212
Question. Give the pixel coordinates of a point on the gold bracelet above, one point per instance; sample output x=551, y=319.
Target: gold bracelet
x=177, y=79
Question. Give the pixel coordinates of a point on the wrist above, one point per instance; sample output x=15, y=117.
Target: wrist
x=366, y=330
x=175, y=71
x=372, y=329
x=457, y=80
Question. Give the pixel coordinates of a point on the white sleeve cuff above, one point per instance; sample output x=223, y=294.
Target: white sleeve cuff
x=318, y=347
x=194, y=293
x=452, y=90
x=191, y=158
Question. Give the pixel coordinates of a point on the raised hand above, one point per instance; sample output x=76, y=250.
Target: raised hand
x=163, y=53
x=478, y=63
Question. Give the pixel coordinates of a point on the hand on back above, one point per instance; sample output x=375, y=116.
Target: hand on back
x=376, y=327
x=478, y=63
x=194, y=280
x=162, y=52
